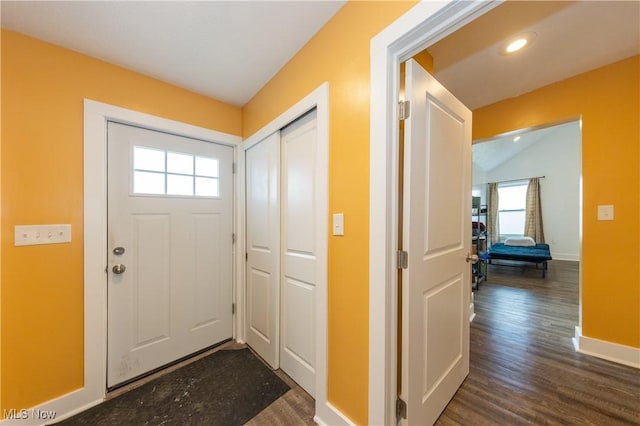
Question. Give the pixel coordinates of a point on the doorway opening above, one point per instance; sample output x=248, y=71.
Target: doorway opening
x=422, y=28
x=553, y=153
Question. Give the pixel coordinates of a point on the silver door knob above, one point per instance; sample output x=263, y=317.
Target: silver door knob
x=119, y=268
x=473, y=258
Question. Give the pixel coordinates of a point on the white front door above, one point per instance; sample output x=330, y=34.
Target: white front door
x=170, y=224
x=437, y=285
x=263, y=247
x=300, y=223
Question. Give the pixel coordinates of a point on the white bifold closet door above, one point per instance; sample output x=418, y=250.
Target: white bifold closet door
x=297, y=338
x=282, y=246
x=263, y=247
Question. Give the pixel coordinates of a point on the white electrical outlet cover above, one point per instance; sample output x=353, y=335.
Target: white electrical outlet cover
x=29, y=235
x=605, y=212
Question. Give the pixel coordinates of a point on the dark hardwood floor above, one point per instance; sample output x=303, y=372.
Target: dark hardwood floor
x=524, y=369
x=296, y=407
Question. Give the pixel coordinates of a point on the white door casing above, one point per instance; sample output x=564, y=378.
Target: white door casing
x=437, y=283
x=95, y=119
x=175, y=296
x=262, y=211
x=299, y=250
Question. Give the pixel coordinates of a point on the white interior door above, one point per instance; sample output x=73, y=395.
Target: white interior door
x=170, y=205
x=263, y=247
x=437, y=285
x=299, y=251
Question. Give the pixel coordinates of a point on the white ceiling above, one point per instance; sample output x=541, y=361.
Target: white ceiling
x=572, y=38
x=228, y=50
x=222, y=49
x=487, y=156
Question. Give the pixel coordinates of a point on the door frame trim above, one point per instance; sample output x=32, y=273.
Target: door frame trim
x=319, y=99
x=96, y=115
x=423, y=25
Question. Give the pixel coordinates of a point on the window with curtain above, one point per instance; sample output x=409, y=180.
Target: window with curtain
x=512, y=203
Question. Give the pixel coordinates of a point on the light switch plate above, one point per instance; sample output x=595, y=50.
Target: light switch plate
x=28, y=235
x=605, y=212
x=338, y=224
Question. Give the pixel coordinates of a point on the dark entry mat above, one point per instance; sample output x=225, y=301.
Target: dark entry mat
x=228, y=387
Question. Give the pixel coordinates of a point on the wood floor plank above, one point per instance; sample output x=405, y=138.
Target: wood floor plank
x=524, y=369
x=296, y=407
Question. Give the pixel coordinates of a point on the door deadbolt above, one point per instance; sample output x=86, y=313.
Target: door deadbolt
x=118, y=251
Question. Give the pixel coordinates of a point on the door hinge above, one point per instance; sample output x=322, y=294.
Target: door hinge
x=402, y=260
x=246, y=256
x=404, y=110
x=233, y=168
x=233, y=238
x=233, y=308
x=401, y=409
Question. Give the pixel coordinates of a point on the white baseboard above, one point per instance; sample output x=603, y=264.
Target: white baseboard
x=66, y=406
x=565, y=256
x=52, y=411
x=472, y=311
x=331, y=416
x=614, y=352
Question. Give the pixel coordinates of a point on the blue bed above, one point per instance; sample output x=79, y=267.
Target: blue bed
x=538, y=254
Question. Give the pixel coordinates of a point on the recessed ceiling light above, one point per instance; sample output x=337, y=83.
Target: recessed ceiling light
x=516, y=43
x=516, y=139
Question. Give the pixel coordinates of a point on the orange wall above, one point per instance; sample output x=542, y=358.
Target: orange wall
x=1, y=415
x=339, y=54
x=41, y=182
x=608, y=99
x=43, y=87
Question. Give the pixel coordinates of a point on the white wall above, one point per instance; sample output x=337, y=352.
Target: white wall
x=557, y=157
x=479, y=180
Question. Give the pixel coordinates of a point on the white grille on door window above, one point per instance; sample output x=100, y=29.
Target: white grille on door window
x=158, y=172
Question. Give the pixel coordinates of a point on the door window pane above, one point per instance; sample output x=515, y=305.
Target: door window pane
x=148, y=159
x=179, y=185
x=207, y=187
x=206, y=167
x=180, y=163
x=148, y=182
